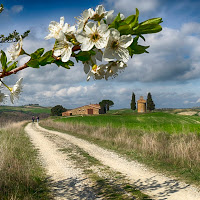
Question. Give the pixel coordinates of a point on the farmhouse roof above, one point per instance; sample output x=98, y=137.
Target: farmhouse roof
x=95, y=106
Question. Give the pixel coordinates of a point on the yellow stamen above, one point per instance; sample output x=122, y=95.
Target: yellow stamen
x=94, y=68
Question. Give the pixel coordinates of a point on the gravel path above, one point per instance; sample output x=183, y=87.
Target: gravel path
x=154, y=184
x=66, y=181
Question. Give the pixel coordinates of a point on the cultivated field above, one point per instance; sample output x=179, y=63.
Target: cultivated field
x=167, y=141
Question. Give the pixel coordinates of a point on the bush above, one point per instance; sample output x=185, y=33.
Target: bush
x=58, y=110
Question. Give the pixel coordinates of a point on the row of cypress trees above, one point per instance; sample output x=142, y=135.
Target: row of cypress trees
x=150, y=103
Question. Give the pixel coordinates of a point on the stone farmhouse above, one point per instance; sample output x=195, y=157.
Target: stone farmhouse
x=92, y=109
x=141, y=105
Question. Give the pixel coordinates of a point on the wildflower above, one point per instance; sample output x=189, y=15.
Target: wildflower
x=16, y=90
x=117, y=47
x=93, y=36
x=63, y=48
x=16, y=50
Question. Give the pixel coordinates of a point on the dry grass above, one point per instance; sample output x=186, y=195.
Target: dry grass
x=21, y=176
x=172, y=150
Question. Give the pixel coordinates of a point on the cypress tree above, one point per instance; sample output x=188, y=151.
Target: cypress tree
x=133, y=104
x=150, y=103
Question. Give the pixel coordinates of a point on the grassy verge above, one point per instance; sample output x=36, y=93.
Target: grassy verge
x=178, y=154
x=21, y=176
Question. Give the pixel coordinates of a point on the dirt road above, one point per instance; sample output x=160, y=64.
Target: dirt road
x=70, y=182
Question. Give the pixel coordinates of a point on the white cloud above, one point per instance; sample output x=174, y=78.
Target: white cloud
x=128, y=6
x=17, y=8
x=191, y=28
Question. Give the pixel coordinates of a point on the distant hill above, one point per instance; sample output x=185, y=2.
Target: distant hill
x=20, y=113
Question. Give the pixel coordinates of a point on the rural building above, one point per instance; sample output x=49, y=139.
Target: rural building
x=92, y=109
x=141, y=105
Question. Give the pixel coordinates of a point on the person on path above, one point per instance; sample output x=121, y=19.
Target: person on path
x=38, y=118
x=33, y=119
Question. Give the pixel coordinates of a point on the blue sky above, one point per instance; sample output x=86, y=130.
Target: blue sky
x=171, y=70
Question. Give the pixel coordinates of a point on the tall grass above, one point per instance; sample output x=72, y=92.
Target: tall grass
x=21, y=176
x=176, y=152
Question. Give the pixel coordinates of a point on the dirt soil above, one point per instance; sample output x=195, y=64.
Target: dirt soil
x=69, y=182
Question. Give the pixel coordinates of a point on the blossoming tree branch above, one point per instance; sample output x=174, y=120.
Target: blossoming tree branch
x=100, y=40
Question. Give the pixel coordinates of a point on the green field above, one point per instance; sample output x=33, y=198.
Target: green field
x=24, y=109
x=153, y=122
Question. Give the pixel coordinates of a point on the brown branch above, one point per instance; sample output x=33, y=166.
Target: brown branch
x=14, y=71
x=76, y=48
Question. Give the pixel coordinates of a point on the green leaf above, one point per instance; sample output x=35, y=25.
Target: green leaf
x=83, y=56
x=33, y=63
x=152, y=21
x=126, y=27
x=129, y=19
x=11, y=67
x=8, y=63
x=3, y=60
x=63, y=64
x=37, y=53
x=115, y=23
x=134, y=48
x=146, y=29
x=70, y=63
x=46, y=58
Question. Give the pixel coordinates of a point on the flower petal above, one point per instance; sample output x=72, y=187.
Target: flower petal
x=108, y=54
x=100, y=10
x=114, y=33
x=81, y=37
x=90, y=28
x=58, y=52
x=62, y=19
x=87, y=45
x=66, y=55
x=123, y=54
x=125, y=41
x=101, y=43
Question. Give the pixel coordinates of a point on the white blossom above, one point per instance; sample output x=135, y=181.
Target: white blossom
x=16, y=90
x=63, y=48
x=100, y=13
x=93, y=36
x=87, y=14
x=16, y=49
x=97, y=72
x=56, y=29
x=67, y=29
x=117, y=46
x=94, y=58
x=112, y=69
